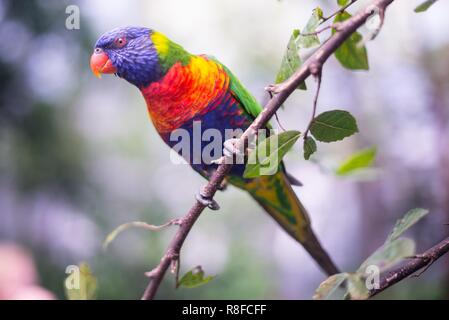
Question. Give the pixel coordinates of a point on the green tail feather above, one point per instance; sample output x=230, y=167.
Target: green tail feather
x=275, y=194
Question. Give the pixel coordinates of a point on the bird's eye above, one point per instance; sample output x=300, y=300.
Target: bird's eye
x=120, y=42
x=98, y=50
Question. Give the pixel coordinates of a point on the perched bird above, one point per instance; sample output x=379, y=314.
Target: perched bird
x=180, y=88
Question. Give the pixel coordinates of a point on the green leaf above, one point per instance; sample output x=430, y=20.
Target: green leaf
x=134, y=224
x=80, y=284
x=389, y=254
x=312, y=24
x=364, y=175
x=342, y=3
x=331, y=288
x=194, y=278
x=291, y=61
x=350, y=54
x=333, y=125
x=357, y=161
x=402, y=225
x=425, y=5
x=267, y=156
x=357, y=287
x=309, y=147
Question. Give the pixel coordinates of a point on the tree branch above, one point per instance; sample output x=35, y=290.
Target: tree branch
x=283, y=91
x=416, y=263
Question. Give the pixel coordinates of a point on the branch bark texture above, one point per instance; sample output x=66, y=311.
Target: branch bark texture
x=413, y=265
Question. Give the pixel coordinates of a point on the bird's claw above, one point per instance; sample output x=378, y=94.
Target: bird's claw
x=274, y=88
x=208, y=202
x=218, y=161
x=231, y=149
x=223, y=185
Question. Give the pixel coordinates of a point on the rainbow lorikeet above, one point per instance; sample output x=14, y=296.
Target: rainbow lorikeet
x=180, y=88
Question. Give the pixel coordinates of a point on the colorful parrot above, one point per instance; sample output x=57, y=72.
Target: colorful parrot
x=180, y=88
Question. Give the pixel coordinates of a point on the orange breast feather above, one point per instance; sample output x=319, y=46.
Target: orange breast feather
x=184, y=92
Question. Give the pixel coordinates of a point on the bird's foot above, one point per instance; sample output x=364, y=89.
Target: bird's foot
x=274, y=88
x=233, y=150
x=223, y=185
x=208, y=202
x=218, y=161
x=231, y=147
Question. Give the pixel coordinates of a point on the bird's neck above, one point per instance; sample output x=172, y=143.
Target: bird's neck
x=169, y=52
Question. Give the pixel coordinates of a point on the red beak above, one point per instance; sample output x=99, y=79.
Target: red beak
x=100, y=63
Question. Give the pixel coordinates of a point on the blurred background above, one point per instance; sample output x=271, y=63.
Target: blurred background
x=78, y=156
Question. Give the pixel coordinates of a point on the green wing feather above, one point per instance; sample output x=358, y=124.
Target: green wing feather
x=246, y=99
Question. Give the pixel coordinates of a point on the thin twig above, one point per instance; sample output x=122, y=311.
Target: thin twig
x=317, y=32
x=279, y=122
x=335, y=25
x=429, y=263
x=317, y=72
x=342, y=9
x=283, y=90
x=276, y=114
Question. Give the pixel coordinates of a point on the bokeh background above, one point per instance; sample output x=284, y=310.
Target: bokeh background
x=78, y=156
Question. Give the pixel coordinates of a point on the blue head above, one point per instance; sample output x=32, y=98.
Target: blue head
x=129, y=53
